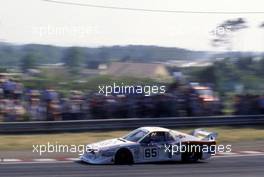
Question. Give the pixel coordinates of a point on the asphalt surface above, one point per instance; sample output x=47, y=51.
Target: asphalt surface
x=248, y=166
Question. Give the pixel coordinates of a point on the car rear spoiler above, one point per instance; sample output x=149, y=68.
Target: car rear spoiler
x=204, y=135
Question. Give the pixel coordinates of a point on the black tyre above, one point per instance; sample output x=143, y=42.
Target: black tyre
x=123, y=156
x=190, y=157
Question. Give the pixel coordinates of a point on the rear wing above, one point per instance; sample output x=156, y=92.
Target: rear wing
x=204, y=135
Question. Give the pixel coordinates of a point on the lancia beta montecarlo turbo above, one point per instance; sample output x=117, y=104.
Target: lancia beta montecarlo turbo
x=152, y=144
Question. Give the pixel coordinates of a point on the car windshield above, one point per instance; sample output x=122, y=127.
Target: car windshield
x=135, y=135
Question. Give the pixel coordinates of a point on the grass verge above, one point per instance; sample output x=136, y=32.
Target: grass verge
x=25, y=142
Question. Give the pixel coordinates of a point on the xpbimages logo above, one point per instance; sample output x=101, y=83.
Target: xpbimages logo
x=62, y=148
x=123, y=89
x=194, y=148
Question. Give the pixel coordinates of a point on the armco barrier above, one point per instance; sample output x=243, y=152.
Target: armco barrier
x=129, y=123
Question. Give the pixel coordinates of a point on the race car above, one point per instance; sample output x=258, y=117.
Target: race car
x=152, y=144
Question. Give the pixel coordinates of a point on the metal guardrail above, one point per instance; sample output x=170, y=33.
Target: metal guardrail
x=128, y=123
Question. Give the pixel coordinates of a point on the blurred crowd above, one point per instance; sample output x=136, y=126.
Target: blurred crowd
x=21, y=104
x=176, y=102
x=249, y=104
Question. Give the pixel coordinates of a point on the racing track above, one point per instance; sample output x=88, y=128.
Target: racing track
x=218, y=166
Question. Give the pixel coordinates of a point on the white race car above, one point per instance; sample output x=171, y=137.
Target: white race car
x=152, y=144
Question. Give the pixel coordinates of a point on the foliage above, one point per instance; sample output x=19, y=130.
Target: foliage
x=231, y=75
x=73, y=59
x=29, y=61
x=11, y=55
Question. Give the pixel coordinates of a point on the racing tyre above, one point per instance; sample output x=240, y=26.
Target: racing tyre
x=123, y=156
x=190, y=157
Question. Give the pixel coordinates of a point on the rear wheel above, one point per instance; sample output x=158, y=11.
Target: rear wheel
x=123, y=156
x=191, y=156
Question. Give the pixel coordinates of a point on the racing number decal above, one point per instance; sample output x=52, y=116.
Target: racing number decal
x=150, y=153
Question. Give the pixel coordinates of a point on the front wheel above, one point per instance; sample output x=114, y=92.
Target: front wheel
x=123, y=156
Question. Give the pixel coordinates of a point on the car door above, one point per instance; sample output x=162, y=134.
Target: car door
x=152, y=147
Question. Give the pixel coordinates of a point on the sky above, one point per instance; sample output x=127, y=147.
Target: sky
x=38, y=21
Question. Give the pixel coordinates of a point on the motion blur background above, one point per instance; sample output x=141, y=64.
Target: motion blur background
x=55, y=54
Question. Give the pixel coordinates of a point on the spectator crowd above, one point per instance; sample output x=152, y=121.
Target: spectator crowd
x=249, y=104
x=21, y=104
x=176, y=102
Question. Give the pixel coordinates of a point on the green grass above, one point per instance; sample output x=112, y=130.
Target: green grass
x=25, y=142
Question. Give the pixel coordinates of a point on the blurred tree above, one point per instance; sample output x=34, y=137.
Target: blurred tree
x=223, y=33
x=228, y=74
x=126, y=58
x=208, y=75
x=103, y=55
x=73, y=59
x=29, y=61
x=244, y=63
x=260, y=67
x=93, y=64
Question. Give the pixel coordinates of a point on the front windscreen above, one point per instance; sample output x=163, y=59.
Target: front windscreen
x=135, y=135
